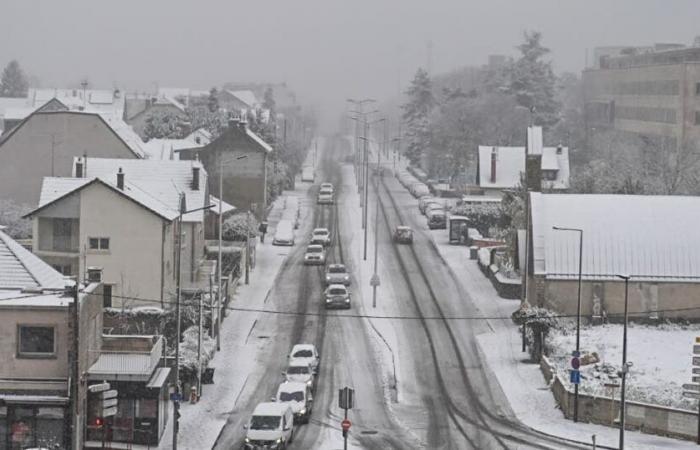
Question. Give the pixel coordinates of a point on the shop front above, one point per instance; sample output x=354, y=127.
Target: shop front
x=33, y=421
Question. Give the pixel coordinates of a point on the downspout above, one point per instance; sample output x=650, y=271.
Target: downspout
x=192, y=252
x=162, y=263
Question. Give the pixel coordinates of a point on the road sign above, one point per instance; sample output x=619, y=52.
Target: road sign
x=109, y=394
x=575, y=376
x=374, y=281
x=696, y=360
x=109, y=402
x=692, y=387
x=101, y=387
x=345, y=424
x=108, y=412
x=575, y=363
x=576, y=354
x=346, y=398
x=175, y=396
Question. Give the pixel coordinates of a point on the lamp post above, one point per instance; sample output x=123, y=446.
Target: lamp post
x=182, y=211
x=578, y=306
x=359, y=104
x=625, y=368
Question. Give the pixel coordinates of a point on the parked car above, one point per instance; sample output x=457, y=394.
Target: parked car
x=419, y=189
x=299, y=371
x=315, y=254
x=337, y=296
x=321, y=236
x=284, y=234
x=423, y=202
x=307, y=353
x=337, y=274
x=437, y=220
x=433, y=207
x=325, y=198
x=298, y=397
x=403, y=235
x=270, y=427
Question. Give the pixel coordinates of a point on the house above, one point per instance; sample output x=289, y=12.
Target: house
x=118, y=216
x=102, y=101
x=243, y=155
x=168, y=149
x=36, y=347
x=501, y=168
x=139, y=108
x=211, y=222
x=652, y=239
x=46, y=142
x=237, y=101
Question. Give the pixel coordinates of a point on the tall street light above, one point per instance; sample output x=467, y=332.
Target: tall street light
x=182, y=212
x=359, y=105
x=578, y=306
x=625, y=367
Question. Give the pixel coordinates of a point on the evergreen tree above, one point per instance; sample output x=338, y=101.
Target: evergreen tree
x=13, y=82
x=213, y=100
x=415, y=115
x=532, y=81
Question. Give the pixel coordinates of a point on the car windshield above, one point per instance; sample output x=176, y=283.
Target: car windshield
x=321, y=232
x=297, y=370
x=303, y=354
x=314, y=250
x=264, y=422
x=337, y=291
x=336, y=270
x=292, y=396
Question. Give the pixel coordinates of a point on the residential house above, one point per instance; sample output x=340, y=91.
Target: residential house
x=36, y=348
x=652, y=239
x=243, y=156
x=46, y=142
x=103, y=101
x=118, y=216
x=237, y=102
x=501, y=168
x=139, y=108
x=169, y=149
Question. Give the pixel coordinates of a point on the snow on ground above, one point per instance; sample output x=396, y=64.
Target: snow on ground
x=661, y=357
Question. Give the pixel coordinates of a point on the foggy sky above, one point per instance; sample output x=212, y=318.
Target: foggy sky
x=327, y=50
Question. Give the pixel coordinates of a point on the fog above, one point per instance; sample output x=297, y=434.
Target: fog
x=326, y=50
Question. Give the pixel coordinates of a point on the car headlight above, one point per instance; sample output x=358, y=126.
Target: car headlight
x=328, y=278
x=303, y=411
x=347, y=277
x=347, y=300
x=279, y=441
x=309, y=382
x=247, y=440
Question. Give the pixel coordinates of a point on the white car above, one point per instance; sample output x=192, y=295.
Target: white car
x=270, y=427
x=325, y=198
x=298, y=397
x=337, y=296
x=327, y=187
x=337, y=274
x=299, y=371
x=321, y=236
x=306, y=353
x=315, y=254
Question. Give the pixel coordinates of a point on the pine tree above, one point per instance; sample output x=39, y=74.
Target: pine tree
x=13, y=82
x=213, y=100
x=415, y=115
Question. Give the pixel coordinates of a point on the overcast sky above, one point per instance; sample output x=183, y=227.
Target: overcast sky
x=327, y=50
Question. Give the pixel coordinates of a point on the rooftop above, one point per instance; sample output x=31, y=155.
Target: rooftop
x=21, y=269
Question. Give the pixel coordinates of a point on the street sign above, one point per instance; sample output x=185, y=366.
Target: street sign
x=576, y=354
x=691, y=387
x=109, y=402
x=346, y=398
x=345, y=424
x=374, y=281
x=109, y=394
x=696, y=360
x=175, y=396
x=575, y=363
x=575, y=376
x=690, y=394
x=101, y=387
x=108, y=412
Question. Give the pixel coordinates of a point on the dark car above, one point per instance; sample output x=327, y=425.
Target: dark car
x=437, y=220
x=403, y=235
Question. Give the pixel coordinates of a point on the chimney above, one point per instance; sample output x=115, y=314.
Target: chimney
x=120, y=179
x=195, y=178
x=494, y=155
x=559, y=149
x=79, y=168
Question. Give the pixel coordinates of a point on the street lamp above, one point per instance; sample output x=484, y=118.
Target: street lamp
x=578, y=306
x=625, y=367
x=182, y=211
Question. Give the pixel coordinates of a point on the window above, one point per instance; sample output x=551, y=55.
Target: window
x=62, y=233
x=99, y=243
x=36, y=341
x=64, y=269
x=107, y=295
x=549, y=175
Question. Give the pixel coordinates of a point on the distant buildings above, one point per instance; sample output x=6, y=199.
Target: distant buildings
x=140, y=108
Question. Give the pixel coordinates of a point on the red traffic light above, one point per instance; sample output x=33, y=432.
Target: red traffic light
x=345, y=424
x=99, y=422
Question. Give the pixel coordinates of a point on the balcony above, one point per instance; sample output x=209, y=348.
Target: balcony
x=127, y=358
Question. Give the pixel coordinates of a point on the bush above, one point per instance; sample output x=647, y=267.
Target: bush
x=537, y=322
x=188, y=349
x=239, y=227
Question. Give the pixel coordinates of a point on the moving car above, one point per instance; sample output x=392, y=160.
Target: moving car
x=321, y=236
x=403, y=235
x=284, y=234
x=325, y=198
x=298, y=397
x=327, y=187
x=308, y=175
x=337, y=296
x=315, y=254
x=437, y=220
x=337, y=274
x=270, y=427
x=299, y=371
x=306, y=353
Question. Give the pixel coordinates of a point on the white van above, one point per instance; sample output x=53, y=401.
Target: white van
x=284, y=234
x=270, y=426
x=307, y=174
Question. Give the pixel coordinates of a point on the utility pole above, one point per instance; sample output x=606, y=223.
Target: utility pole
x=219, y=258
x=247, y=250
x=176, y=403
x=375, y=278
x=625, y=368
x=75, y=370
x=366, y=186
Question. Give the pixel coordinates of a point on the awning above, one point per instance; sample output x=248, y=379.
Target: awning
x=19, y=399
x=159, y=377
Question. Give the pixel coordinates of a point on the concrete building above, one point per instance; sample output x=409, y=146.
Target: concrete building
x=652, y=239
x=45, y=143
x=651, y=93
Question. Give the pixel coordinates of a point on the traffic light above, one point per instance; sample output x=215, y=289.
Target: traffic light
x=99, y=422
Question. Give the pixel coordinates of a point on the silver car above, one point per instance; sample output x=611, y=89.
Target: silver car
x=337, y=274
x=337, y=296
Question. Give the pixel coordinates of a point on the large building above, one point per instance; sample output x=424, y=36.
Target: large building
x=652, y=93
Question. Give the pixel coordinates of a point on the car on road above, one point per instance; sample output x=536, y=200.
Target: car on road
x=337, y=296
x=434, y=207
x=298, y=396
x=305, y=352
x=403, y=235
x=284, y=234
x=337, y=274
x=321, y=236
x=315, y=255
x=419, y=189
x=437, y=220
x=327, y=187
x=325, y=198
x=300, y=371
x=270, y=427
x=423, y=202
x=308, y=175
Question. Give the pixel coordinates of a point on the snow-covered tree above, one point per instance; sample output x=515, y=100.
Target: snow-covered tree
x=165, y=125
x=11, y=218
x=415, y=115
x=213, y=100
x=239, y=226
x=13, y=82
x=201, y=117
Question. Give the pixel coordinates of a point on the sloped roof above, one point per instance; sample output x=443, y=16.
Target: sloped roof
x=166, y=149
x=89, y=100
x=510, y=164
x=225, y=207
x=246, y=96
x=20, y=268
x=651, y=238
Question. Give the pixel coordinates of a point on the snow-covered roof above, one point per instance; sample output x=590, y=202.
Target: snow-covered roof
x=166, y=149
x=258, y=139
x=154, y=182
x=246, y=96
x=89, y=100
x=9, y=103
x=651, y=238
x=510, y=164
x=20, y=268
x=112, y=366
x=125, y=132
x=225, y=207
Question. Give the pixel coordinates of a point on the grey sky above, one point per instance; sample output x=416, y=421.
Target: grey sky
x=326, y=49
